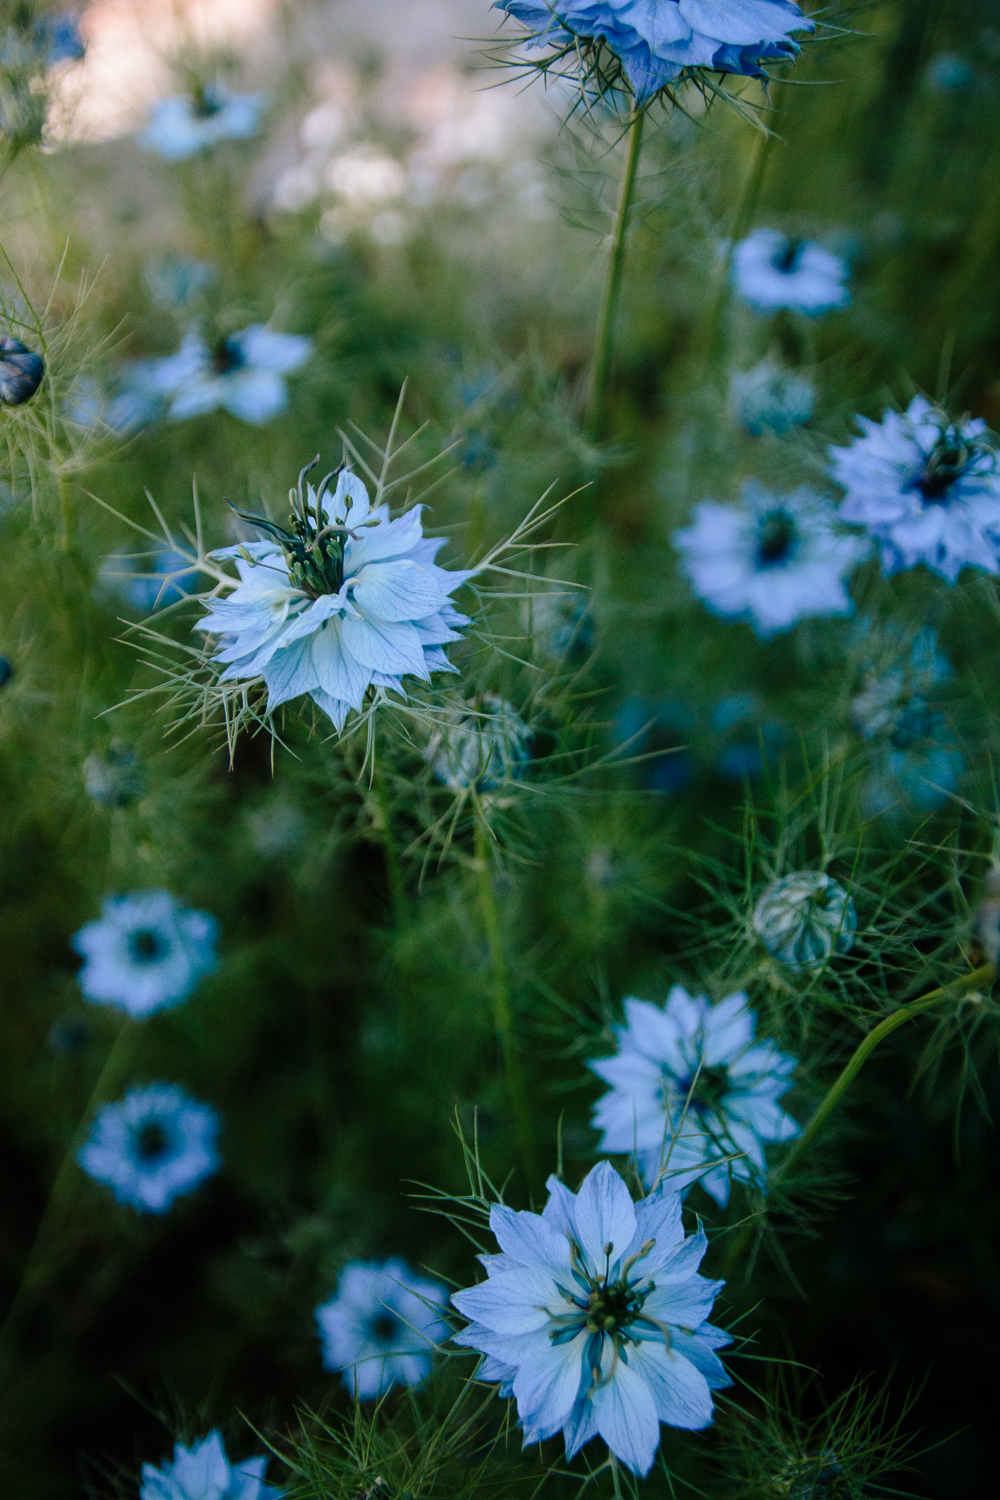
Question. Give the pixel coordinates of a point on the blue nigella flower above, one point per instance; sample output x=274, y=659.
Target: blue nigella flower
x=382, y=1327
x=185, y=125
x=594, y=1318
x=774, y=273
x=60, y=35
x=926, y=488
x=244, y=374
x=773, y=560
x=145, y=953
x=203, y=1472
x=154, y=1146
x=657, y=41
x=693, y=1095
x=771, y=398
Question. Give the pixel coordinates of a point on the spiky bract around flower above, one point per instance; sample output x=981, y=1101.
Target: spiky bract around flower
x=804, y=918
x=187, y=124
x=382, y=1326
x=594, y=1318
x=926, y=488
x=343, y=600
x=693, y=1095
x=145, y=953
x=153, y=1147
x=774, y=274
x=480, y=744
x=773, y=560
x=657, y=44
x=204, y=1472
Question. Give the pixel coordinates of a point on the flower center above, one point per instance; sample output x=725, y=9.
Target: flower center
x=146, y=946
x=949, y=460
x=613, y=1306
x=204, y=102
x=706, y=1089
x=313, y=546
x=777, y=536
x=384, y=1328
x=150, y=1141
x=227, y=357
x=787, y=261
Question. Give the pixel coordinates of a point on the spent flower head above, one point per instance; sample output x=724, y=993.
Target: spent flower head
x=771, y=398
x=481, y=743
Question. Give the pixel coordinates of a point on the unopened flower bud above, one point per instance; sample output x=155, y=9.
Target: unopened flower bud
x=21, y=371
x=804, y=918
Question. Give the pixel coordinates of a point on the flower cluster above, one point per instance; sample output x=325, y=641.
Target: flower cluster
x=694, y=1096
x=594, y=1318
x=382, y=1327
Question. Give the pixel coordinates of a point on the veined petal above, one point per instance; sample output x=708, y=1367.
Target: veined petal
x=604, y=1216
x=626, y=1416
x=337, y=672
x=385, y=647
x=288, y=674
x=679, y=1390
x=526, y=1238
x=546, y=1386
x=399, y=590
x=514, y=1304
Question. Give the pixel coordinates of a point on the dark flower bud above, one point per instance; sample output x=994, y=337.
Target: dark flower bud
x=21, y=372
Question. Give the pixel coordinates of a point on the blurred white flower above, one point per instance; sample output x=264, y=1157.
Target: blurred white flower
x=772, y=273
x=155, y=1145
x=243, y=374
x=185, y=125
x=145, y=953
x=382, y=1327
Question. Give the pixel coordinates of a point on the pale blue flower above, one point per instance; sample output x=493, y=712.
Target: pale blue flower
x=926, y=488
x=203, y=1472
x=773, y=560
x=382, y=1327
x=770, y=397
x=774, y=273
x=693, y=1095
x=154, y=1146
x=594, y=1318
x=145, y=953
x=244, y=374
x=479, y=745
x=185, y=125
x=657, y=41
x=361, y=608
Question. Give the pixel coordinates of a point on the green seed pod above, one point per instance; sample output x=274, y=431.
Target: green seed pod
x=804, y=918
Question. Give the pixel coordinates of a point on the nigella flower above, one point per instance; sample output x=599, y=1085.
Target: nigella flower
x=774, y=273
x=146, y=953
x=342, y=601
x=188, y=124
x=771, y=397
x=804, y=918
x=594, y=1318
x=114, y=779
x=926, y=488
x=480, y=745
x=658, y=42
x=203, y=1472
x=774, y=560
x=693, y=1095
x=21, y=371
x=244, y=374
x=382, y=1327
x=157, y=1144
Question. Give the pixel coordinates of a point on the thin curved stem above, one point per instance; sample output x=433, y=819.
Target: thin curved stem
x=604, y=340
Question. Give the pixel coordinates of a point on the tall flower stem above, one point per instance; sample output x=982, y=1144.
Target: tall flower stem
x=835, y=1093
x=502, y=1014
x=604, y=340
x=746, y=207
x=393, y=867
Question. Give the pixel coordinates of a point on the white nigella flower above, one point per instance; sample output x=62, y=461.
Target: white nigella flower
x=145, y=953
x=774, y=273
x=804, y=918
x=382, y=1327
x=187, y=124
x=690, y=1086
x=203, y=1472
x=926, y=488
x=773, y=560
x=244, y=374
x=342, y=601
x=157, y=1144
x=594, y=1318
x=479, y=746
x=770, y=397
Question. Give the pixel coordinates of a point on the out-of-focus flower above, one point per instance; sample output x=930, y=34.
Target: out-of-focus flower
x=114, y=779
x=6, y=671
x=174, y=281
x=658, y=43
x=948, y=73
x=244, y=373
x=382, y=1327
x=157, y=1144
x=693, y=1096
x=335, y=611
x=132, y=403
x=187, y=124
x=562, y=625
x=29, y=46
x=21, y=371
x=986, y=923
x=480, y=745
x=804, y=918
x=774, y=273
x=594, y=1318
x=926, y=488
x=203, y=1472
x=773, y=560
x=749, y=738
x=146, y=585
x=770, y=397
x=145, y=953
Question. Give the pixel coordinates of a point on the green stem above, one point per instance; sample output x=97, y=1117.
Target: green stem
x=393, y=868
x=67, y=508
x=604, y=341
x=983, y=975
x=745, y=210
x=502, y=1015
